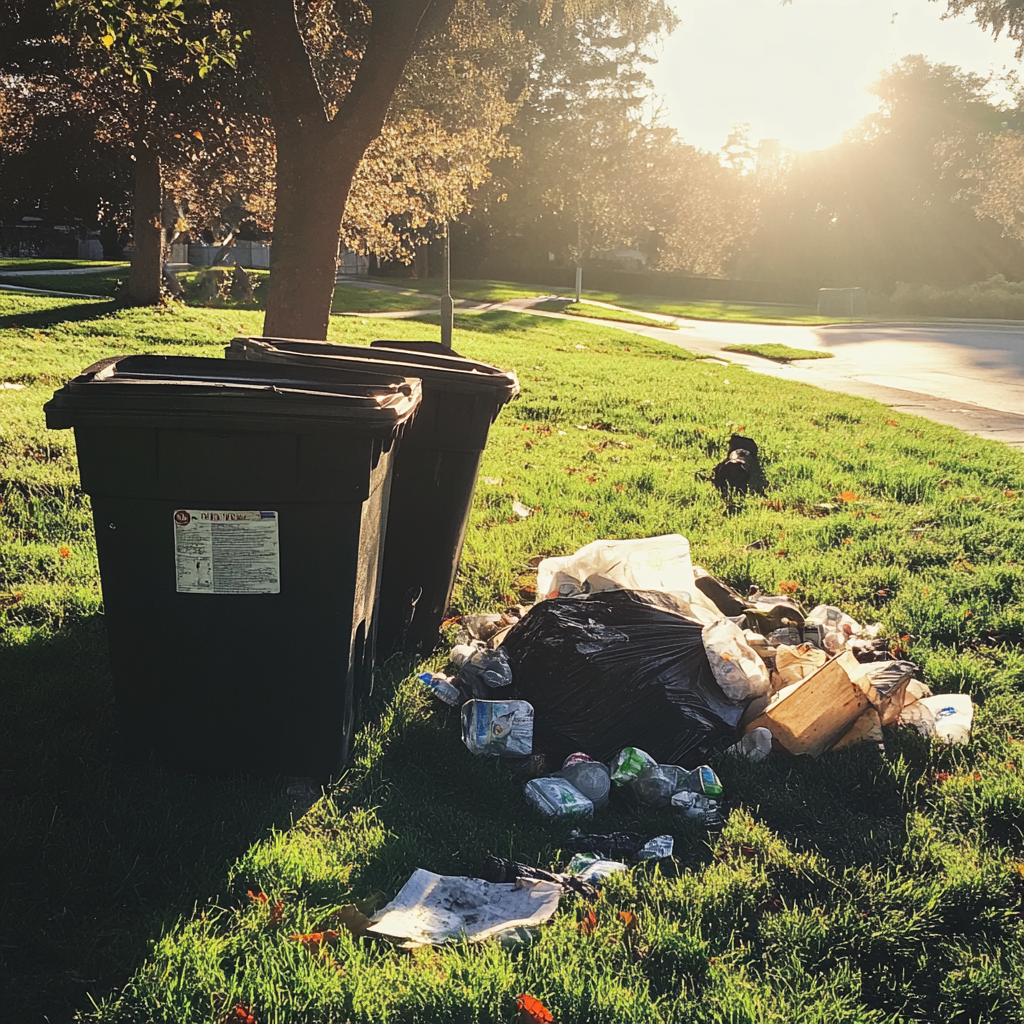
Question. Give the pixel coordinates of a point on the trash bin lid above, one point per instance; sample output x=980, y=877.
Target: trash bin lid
x=428, y=360
x=183, y=391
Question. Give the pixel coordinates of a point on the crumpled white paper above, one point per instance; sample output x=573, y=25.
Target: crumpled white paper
x=432, y=909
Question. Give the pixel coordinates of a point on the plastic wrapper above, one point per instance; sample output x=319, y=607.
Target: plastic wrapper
x=628, y=763
x=648, y=563
x=654, y=786
x=557, y=798
x=442, y=687
x=740, y=672
x=486, y=674
x=838, y=626
x=619, y=669
x=588, y=867
x=656, y=848
x=613, y=846
x=756, y=745
x=497, y=727
x=696, y=806
x=591, y=778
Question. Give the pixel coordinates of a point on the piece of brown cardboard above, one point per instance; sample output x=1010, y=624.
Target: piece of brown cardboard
x=808, y=717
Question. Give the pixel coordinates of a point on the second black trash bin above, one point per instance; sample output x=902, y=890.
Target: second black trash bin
x=435, y=470
x=238, y=512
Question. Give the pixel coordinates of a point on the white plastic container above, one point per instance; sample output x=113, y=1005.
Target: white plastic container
x=946, y=717
x=557, y=798
x=738, y=668
x=498, y=727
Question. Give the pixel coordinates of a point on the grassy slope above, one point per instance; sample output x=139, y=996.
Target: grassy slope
x=858, y=888
x=780, y=353
x=592, y=312
x=11, y=264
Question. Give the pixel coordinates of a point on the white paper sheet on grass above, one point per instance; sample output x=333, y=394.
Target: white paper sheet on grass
x=431, y=908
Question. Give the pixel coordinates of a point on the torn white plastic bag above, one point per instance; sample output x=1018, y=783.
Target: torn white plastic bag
x=648, y=563
x=432, y=909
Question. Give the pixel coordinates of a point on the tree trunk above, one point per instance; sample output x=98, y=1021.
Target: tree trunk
x=312, y=188
x=148, y=256
x=317, y=158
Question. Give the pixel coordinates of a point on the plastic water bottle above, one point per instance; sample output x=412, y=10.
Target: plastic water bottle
x=442, y=687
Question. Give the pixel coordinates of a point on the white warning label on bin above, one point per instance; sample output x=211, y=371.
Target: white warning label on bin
x=217, y=552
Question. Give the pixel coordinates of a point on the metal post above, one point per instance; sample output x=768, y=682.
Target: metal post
x=447, y=306
x=579, y=283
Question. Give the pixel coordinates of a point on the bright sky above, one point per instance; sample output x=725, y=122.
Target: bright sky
x=798, y=73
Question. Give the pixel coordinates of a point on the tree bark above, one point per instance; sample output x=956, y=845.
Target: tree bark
x=317, y=158
x=148, y=255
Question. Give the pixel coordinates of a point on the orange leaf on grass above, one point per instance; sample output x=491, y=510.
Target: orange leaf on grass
x=242, y=1013
x=789, y=587
x=258, y=897
x=619, y=488
x=275, y=913
x=891, y=423
x=314, y=940
x=64, y=551
x=848, y=496
x=533, y=1011
x=589, y=924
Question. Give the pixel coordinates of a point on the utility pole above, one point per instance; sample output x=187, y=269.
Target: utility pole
x=579, y=258
x=447, y=306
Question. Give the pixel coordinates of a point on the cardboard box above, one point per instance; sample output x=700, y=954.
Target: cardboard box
x=808, y=717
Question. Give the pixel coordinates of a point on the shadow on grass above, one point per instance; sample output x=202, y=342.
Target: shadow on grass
x=97, y=856
x=80, y=310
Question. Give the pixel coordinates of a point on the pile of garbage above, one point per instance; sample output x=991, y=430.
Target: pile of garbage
x=635, y=666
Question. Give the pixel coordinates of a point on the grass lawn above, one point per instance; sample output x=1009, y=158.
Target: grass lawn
x=348, y=299
x=863, y=887
x=587, y=309
x=706, y=309
x=104, y=282
x=780, y=353
x=10, y=264
x=482, y=291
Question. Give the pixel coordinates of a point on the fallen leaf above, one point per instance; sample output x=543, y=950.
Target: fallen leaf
x=789, y=587
x=848, y=496
x=591, y=479
x=258, y=897
x=891, y=423
x=314, y=940
x=198, y=135
x=533, y=1011
x=589, y=923
x=619, y=488
x=64, y=551
x=535, y=561
x=350, y=917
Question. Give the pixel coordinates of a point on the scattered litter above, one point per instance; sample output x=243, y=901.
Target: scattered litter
x=494, y=481
x=628, y=763
x=655, y=785
x=721, y=595
x=757, y=745
x=591, y=778
x=740, y=672
x=696, y=806
x=498, y=869
x=521, y=510
x=591, y=868
x=946, y=717
x=657, y=848
x=8, y=386
x=623, y=668
x=703, y=780
x=486, y=674
x=442, y=687
x=461, y=653
x=484, y=627
x=432, y=909
x=795, y=663
x=621, y=845
x=557, y=798
x=650, y=563
x=838, y=626
x=808, y=716
x=496, y=727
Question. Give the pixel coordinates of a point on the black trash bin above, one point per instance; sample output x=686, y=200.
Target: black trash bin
x=435, y=469
x=239, y=513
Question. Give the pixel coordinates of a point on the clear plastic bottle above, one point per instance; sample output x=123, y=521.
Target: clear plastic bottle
x=442, y=687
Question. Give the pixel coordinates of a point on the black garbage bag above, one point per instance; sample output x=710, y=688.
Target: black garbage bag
x=740, y=470
x=615, y=669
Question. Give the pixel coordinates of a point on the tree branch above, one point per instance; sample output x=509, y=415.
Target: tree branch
x=396, y=28
x=296, y=105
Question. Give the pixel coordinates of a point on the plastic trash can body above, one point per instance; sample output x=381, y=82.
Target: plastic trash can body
x=435, y=470
x=239, y=534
